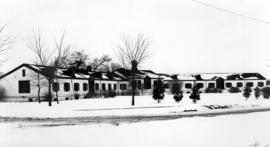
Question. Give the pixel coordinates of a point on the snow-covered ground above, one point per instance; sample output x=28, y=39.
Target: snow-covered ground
x=241, y=130
x=121, y=106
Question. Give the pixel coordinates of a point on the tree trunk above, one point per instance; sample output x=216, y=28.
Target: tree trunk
x=50, y=93
x=39, y=101
x=56, y=93
x=133, y=89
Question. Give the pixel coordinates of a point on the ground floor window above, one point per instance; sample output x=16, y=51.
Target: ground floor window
x=249, y=84
x=76, y=86
x=239, y=84
x=97, y=86
x=200, y=85
x=115, y=86
x=188, y=85
x=211, y=85
x=55, y=86
x=123, y=86
x=110, y=86
x=24, y=86
x=139, y=84
x=104, y=87
x=228, y=85
x=66, y=87
x=260, y=84
x=85, y=87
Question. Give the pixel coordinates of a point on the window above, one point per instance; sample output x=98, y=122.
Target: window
x=139, y=84
x=85, y=88
x=200, y=85
x=23, y=72
x=249, y=84
x=97, y=86
x=229, y=85
x=66, y=87
x=260, y=84
x=147, y=83
x=115, y=86
x=110, y=86
x=76, y=86
x=166, y=85
x=55, y=86
x=155, y=83
x=24, y=86
x=103, y=87
x=188, y=85
x=239, y=84
x=123, y=86
x=211, y=85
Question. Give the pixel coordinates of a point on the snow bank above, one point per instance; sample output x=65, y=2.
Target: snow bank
x=121, y=106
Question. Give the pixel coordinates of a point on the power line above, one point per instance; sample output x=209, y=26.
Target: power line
x=231, y=12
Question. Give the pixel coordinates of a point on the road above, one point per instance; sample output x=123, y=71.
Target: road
x=249, y=129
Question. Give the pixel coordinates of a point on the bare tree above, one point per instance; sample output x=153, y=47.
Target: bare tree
x=36, y=44
x=5, y=40
x=98, y=62
x=132, y=53
x=50, y=61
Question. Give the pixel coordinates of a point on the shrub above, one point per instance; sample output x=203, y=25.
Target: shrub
x=158, y=92
x=76, y=96
x=247, y=92
x=257, y=92
x=234, y=90
x=2, y=93
x=178, y=97
x=195, y=94
x=266, y=92
x=176, y=90
x=213, y=90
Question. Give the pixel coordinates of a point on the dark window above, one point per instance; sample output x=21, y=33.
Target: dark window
x=103, y=87
x=249, y=84
x=211, y=85
x=97, y=86
x=239, y=84
x=166, y=85
x=23, y=72
x=109, y=86
x=123, y=86
x=24, y=86
x=55, y=86
x=139, y=84
x=155, y=83
x=85, y=88
x=147, y=83
x=229, y=85
x=76, y=86
x=115, y=86
x=260, y=84
x=200, y=85
x=66, y=87
x=188, y=85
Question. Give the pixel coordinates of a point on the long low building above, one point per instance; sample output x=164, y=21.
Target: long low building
x=27, y=81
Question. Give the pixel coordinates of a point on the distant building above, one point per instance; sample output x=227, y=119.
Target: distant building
x=21, y=83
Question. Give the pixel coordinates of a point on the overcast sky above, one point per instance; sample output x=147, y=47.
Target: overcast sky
x=186, y=36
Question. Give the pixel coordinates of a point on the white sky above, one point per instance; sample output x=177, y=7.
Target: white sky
x=185, y=36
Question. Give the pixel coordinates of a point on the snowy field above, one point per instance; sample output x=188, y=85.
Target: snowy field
x=238, y=130
x=121, y=106
x=241, y=130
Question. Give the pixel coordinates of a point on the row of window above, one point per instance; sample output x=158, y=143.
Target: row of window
x=201, y=85
x=227, y=84
x=248, y=84
x=76, y=86
x=85, y=86
x=110, y=86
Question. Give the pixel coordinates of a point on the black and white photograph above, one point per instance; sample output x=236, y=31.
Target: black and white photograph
x=134, y=73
